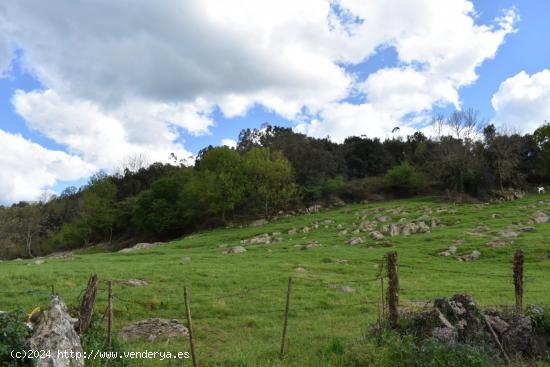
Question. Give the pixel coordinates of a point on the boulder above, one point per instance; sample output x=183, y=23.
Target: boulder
x=499, y=243
x=376, y=235
x=355, y=241
x=260, y=239
x=186, y=258
x=394, y=230
x=517, y=338
x=306, y=230
x=132, y=282
x=343, y=232
x=235, y=250
x=310, y=246
x=450, y=251
x=540, y=217
x=293, y=231
x=383, y=218
x=55, y=332
x=474, y=255
x=142, y=246
x=368, y=225
x=153, y=329
x=507, y=233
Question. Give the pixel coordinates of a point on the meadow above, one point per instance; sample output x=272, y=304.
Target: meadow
x=237, y=300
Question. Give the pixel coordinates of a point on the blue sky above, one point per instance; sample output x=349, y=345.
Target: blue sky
x=81, y=91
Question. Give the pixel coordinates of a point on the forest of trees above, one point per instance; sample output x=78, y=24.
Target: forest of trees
x=273, y=169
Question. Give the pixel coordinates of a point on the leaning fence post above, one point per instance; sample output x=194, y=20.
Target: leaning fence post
x=190, y=327
x=518, y=280
x=393, y=289
x=285, y=323
x=110, y=314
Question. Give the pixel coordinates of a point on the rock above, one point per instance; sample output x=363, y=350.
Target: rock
x=186, y=258
x=153, y=329
x=342, y=288
x=383, y=218
x=457, y=242
x=436, y=223
x=494, y=216
x=517, y=338
x=55, y=332
x=142, y=246
x=540, y=217
x=446, y=335
x=327, y=222
x=394, y=230
x=450, y=251
x=473, y=256
x=499, y=243
x=62, y=255
x=479, y=230
x=499, y=325
x=409, y=228
x=235, y=250
x=422, y=227
x=38, y=261
x=260, y=239
x=300, y=270
x=132, y=282
x=508, y=233
x=343, y=232
x=306, y=230
x=292, y=231
x=368, y=225
x=310, y=246
x=355, y=241
x=259, y=222
x=342, y=261
x=376, y=235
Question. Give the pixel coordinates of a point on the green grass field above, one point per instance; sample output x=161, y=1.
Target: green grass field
x=237, y=300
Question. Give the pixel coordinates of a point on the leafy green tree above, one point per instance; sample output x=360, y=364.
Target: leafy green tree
x=270, y=179
x=169, y=207
x=404, y=178
x=221, y=173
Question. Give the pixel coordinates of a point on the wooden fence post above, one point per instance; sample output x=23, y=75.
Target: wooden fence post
x=382, y=297
x=285, y=323
x=110, y=314
x=87, y=305
x=393, y=289
x=190, y=327
x=518, y=280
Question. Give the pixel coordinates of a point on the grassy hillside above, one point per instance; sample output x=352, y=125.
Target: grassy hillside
x=237, y=300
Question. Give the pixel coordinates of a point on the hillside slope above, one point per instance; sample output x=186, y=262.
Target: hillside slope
x=238, y=299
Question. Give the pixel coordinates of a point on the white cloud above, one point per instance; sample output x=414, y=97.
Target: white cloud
x=128, y=77
x=522, y=102
x=28, y=169
x=229, y=143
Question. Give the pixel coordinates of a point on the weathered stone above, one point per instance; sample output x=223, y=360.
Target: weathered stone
x=306, y=230
x=395, y=230
x=422, y=227
x=260, y=239
x=292, y=231
x=383, y=218
x=499, y=243
x=376, y=235
x=153, y=329
x=355, y=241
x=185, y=258
x=470, y=257
x=342, y=288
x=142, y=246
x=540, y=217
x=55, y=332
x=450, y=251
x=310, y=246
x=132, y=282
x=300, y=270
x=517, y=338
x=343, y=232
x=508, y=233
x=235, y=250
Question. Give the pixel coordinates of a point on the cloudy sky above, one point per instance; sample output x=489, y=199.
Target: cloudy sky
x=85, y=84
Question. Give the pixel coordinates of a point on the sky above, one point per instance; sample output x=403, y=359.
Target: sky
x=84, y=85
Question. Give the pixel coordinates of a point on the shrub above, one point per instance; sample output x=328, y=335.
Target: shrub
x=13, y=333
x=404, y=179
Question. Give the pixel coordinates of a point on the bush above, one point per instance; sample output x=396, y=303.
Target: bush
x=404, y=179
x=13, y=335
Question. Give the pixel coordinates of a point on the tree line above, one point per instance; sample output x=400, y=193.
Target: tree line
x=274, y=169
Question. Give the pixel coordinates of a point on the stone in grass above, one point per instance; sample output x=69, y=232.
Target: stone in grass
x=310, y=246
x=470, y=257
x=342, y=288
x=508, y=233
x=186, y=258
x=153, y=329
x=132, y=282
x=235, y=250
x=292, y=231
x=499, y=243
x=300, y=270
x=540, y=217
x=356, y=241
x=450, y=251
x=377, y=235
